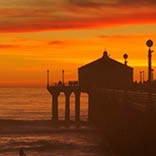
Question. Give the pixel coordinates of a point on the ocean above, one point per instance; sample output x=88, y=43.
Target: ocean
x=35, y=104
x=25, y=115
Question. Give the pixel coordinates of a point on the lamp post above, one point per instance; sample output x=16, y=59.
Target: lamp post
x=125, y=56
x=149, y=43
x=63, y=77
x=140, y=77
x=48, y=78
x=152, y=74
x=143, y=75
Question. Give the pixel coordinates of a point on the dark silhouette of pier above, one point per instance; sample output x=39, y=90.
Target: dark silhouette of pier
x=100, y=74
x=124, y=111
x=68, y=90
x=109, y=78
x=132, y=99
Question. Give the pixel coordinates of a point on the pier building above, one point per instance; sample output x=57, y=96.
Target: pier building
x=104, y=73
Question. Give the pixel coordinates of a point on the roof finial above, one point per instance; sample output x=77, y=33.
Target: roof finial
x=105, y=54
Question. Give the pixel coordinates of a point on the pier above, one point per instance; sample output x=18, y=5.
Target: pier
x=55, y=91
x=100, y=98
x=107, y=83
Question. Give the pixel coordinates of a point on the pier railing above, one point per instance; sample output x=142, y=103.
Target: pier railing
x=60, y=84
x=139, y=100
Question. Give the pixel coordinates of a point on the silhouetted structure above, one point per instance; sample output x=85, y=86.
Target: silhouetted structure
x=106, y=73
x=124, y=110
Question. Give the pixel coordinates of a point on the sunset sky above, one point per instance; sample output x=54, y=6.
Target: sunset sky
x=36, y=35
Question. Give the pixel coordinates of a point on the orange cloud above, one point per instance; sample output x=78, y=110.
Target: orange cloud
x=74, y=24
x=75, y=14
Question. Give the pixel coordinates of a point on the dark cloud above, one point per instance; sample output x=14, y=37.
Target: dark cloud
x=79, y=23
x=86, y=3
x=47, y=15
x=112, y=3
x=55, y=42
x=116, y=36
x=8, y=46
x=137, y=2
x=27, y=3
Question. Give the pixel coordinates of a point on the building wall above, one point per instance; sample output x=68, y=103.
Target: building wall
x=106, y=76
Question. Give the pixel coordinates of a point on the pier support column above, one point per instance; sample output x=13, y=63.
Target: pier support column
x=67, y=106
x=77, y=106
x=55, y=106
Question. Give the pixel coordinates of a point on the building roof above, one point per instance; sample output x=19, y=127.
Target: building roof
x=103, y=60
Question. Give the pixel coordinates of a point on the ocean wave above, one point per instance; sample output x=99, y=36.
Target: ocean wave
x=43, y=127
x=43, y=145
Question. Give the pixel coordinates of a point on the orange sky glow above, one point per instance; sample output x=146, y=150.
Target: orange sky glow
x=38, y=35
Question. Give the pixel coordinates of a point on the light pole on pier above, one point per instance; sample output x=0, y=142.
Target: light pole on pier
x=141, y=77
x=125, y=56
x=63, y=77
x=152, y=74
x=149, y=43
x=48, y=78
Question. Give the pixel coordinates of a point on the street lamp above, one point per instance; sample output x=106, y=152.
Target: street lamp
x=63, y=77
x=149, y=43
x=48, y=78
x=125, y=56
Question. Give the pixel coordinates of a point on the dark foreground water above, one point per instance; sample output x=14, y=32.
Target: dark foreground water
x=42, y=138
x=45, y=139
